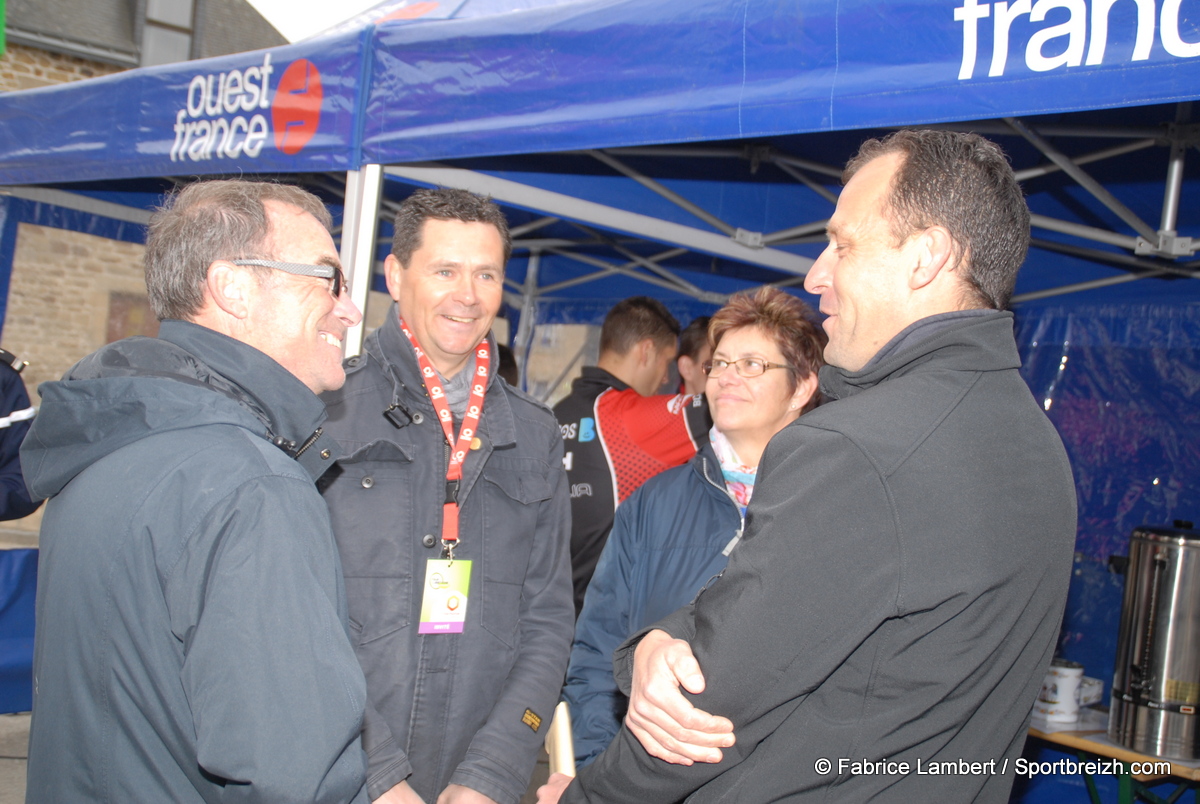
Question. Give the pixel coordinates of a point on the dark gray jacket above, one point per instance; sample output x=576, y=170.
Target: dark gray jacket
x=897, y=594
x=469, y=708
x=191, y=636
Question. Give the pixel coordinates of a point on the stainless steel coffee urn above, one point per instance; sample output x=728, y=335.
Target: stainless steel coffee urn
x=1156, y=685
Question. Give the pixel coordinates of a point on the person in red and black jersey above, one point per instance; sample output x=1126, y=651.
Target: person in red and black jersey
x=615, y=433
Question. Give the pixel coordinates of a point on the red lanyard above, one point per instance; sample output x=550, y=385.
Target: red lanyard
x=466, y=434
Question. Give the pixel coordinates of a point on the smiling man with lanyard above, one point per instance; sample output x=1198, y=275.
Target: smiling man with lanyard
x=451, y=513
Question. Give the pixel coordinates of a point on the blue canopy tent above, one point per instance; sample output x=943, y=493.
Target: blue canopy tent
x=690, y=148
x=588, y=111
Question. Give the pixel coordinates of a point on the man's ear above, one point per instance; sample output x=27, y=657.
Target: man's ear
x=934, y=250
x=646, y=352
x=392, y=274
x=805, y=388
x=229, y=287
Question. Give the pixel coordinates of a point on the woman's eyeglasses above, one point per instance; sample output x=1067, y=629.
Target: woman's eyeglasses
x=745, y=366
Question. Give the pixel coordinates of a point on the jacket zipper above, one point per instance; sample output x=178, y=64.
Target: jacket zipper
x=737, y=537
x=312, y=439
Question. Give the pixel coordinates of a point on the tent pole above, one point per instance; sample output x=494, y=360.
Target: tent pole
x=672, y=196
x=1096, y=283
x=532, y=226
x=649, y=228
x=637, y=259
x=701, y=295
x=82, y=203
x=780, y=158
x=523, y=341
x=1186, y=270
x=359, y=223
x=1081, y=230
x=1170, y=211
x=1083, y=179
x=579, y=280
x=817, y=188
x=816, y=227
x=1094, y=156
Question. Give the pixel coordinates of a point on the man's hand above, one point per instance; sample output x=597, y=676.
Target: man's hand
x=458, y=794
x=400, y=794
x=552, y=790
x=663, y=721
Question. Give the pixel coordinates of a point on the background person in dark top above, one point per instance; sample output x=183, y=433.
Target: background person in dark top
x=16, y=414
x=616, y=435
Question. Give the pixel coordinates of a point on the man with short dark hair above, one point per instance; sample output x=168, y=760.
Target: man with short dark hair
x=617, y=434
x=885, y=625
x=449, y=503
x=694, y=352
x=192, y=636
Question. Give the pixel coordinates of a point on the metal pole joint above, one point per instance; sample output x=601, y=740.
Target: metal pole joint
x=747, y=238
x=1168, y=245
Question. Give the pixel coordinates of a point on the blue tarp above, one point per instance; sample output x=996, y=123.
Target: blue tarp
x=18, y=583
x=623, y=72
x=601, y=73
x=1121, y=383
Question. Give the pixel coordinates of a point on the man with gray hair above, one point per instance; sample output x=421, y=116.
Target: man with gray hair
x=191, y=621
x=884, y=627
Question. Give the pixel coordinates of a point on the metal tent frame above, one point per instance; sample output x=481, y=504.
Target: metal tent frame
x=1139, y=249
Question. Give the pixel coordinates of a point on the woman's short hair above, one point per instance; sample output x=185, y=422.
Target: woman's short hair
x=787, y=320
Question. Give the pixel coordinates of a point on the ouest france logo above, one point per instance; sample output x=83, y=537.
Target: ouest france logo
x=232, y=114
x=1068, y=33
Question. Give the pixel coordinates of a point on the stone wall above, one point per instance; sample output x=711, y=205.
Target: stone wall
x=62, y=286
x=68, y=292
x=24, y=67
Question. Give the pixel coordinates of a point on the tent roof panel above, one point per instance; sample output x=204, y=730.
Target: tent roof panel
x=285, y=109
x=608, y=73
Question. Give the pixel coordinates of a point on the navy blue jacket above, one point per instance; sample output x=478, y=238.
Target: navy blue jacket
x=668, y=539
x=15, y=416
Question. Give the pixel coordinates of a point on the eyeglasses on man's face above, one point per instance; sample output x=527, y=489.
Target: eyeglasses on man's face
x=744, y=366
x=337, y=285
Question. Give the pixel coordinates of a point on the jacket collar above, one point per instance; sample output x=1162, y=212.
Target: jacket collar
x=389, y=346
x=291, y=412
x=979, y=342
x=599, y=378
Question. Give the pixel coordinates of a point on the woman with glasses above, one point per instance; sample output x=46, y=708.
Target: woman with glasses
x=677, y=531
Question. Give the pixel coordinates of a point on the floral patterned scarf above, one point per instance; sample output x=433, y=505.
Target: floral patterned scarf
x=739, y=478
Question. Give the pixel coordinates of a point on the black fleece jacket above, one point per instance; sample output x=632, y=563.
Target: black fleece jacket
x=897, y=595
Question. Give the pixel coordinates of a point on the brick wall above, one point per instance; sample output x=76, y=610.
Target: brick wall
x=62, y=286
x=27, y=68
x=58, y=299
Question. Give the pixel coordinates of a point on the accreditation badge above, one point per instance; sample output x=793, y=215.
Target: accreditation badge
x=444, y=601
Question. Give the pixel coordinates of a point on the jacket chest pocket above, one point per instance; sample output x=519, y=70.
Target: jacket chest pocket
x=371, y=496
x=515, y=493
